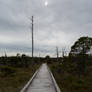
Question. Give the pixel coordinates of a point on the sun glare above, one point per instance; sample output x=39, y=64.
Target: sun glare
x=46, y=3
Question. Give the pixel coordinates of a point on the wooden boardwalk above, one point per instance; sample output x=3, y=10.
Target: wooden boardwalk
x=42, y=82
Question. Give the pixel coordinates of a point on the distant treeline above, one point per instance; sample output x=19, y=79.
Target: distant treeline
x=24, y=60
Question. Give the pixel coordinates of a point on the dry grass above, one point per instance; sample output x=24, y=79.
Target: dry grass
x=15, y=81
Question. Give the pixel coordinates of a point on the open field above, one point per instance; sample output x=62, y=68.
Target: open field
x=14, y=82
x=67, y=71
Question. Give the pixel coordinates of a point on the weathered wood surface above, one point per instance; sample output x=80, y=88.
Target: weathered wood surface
x=43, y=81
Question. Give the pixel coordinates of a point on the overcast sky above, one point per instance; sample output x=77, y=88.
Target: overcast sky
x=56, y=23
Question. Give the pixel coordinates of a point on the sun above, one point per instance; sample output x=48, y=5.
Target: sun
x=46, y=3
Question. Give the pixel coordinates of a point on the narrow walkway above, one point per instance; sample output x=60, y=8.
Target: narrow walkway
x=42, y=82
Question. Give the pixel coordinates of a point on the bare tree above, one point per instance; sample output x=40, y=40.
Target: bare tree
x=64, y=52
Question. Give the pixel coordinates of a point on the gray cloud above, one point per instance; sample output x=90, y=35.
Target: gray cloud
x=60, y=24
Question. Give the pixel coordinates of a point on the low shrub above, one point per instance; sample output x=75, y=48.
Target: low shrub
x=6, y=70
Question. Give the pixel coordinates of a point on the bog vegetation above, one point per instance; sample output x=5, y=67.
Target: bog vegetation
x=73, y=73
